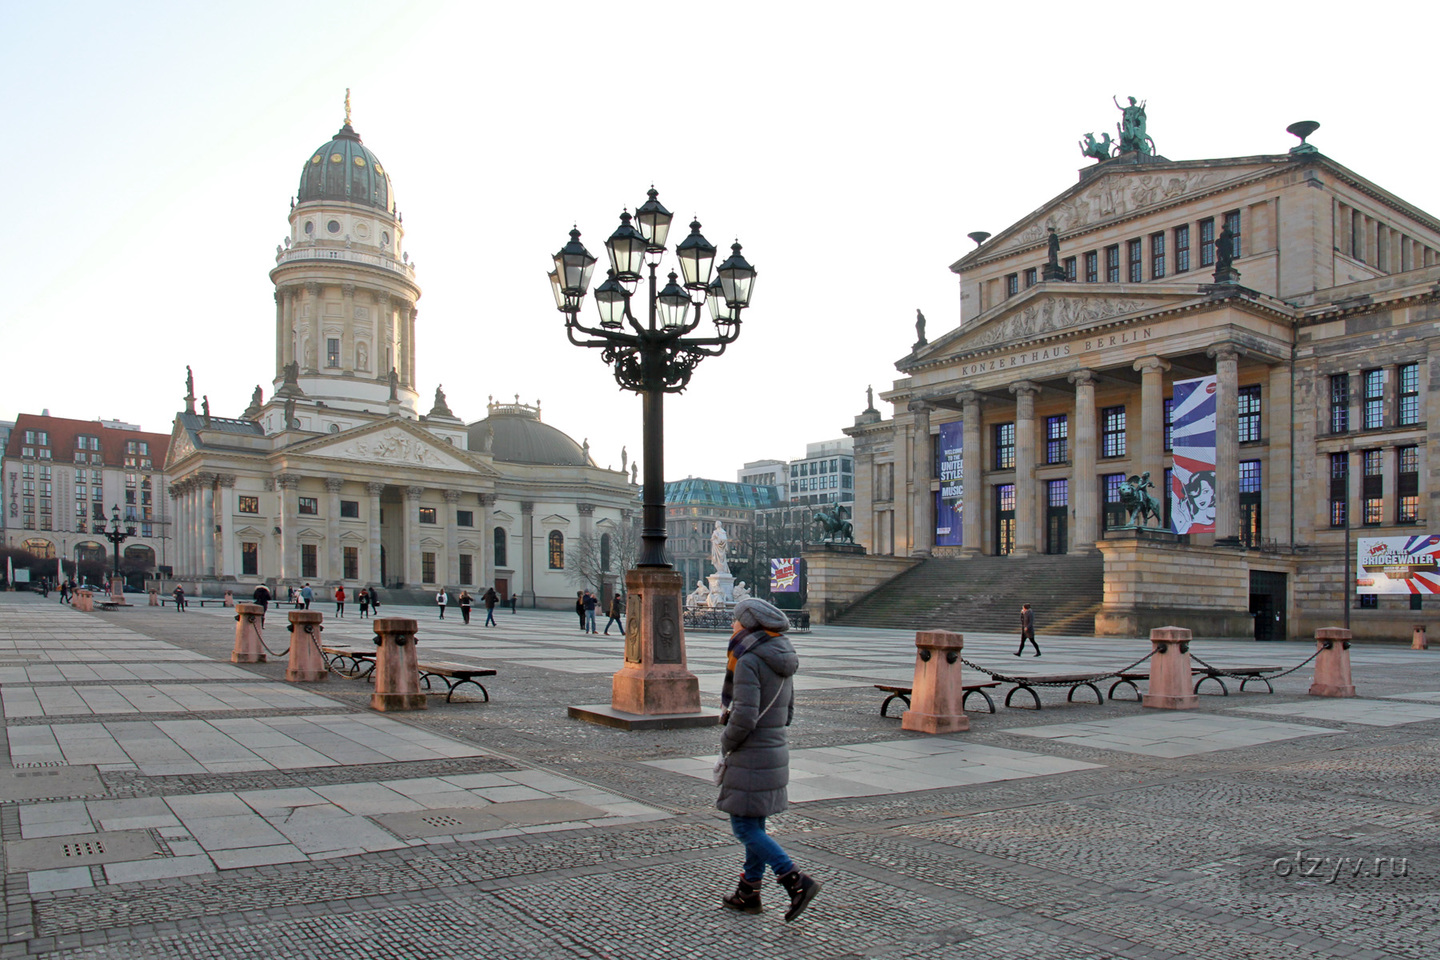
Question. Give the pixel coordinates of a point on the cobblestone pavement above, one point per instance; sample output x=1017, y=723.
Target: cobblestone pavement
x=157, y=801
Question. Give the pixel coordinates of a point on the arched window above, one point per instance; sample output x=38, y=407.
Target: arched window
x=90, y=551
x=604, y=551
x=557, y=550
x=500, y=540
x=43, y=549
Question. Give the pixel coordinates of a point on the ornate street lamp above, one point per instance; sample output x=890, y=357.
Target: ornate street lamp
x=117, y=535
x=653, y=355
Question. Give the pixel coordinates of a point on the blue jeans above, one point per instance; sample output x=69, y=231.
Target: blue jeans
x=489, y=616
x=590, y=621
x=760, y=849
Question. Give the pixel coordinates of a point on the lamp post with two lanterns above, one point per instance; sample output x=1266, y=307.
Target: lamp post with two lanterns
x=653, y=356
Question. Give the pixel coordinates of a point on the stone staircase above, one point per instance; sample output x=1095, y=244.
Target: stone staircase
x=985, y=594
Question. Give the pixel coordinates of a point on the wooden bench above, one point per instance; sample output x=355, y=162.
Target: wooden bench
x=898, y=692
x=1074, y=680
x=1128, y=679
x=1246, y=673
x=109, y=604
x=455, y=675
x=339, y=653
x=206, y=601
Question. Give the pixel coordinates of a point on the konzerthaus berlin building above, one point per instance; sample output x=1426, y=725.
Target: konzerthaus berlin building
x=1055, y=390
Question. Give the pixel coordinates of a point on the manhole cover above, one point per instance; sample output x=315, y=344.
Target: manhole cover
x=79, y=850
x=439, y=823
x=38, y=783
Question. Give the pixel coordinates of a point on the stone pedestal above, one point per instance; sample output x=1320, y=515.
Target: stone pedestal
x=937, y=691
x=307, y=663
x=1419, y=641
x=397, y=671
x=249, y=620
x=154, y=598
x=84, y=601
x=1332, y=665
x=229, y=598
x=654, y=688
x=117, y=588
x=1170, y=683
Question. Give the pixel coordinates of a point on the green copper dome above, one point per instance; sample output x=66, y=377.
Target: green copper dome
x=343, y=170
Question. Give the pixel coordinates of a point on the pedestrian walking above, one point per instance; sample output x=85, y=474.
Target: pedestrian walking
x=614, y=614
x=758, y=702
x=374, y=603
x=1027, y=630
x=65, y=591
x=441, y=600
x=465, y=602
x=306, y=595
x=340, y=600
x=580, y=608
x=179, y=596
x=363, y=598
x=592, y=603
x=491, y=598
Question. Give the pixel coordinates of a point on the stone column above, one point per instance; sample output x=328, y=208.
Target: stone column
x=183, y=540
x=310, y=363
x=225, y=520
x=403, y=361
x=452, y=538
x=487, y=541
x=1227, y=441
x=413, y=569
x=333, y=568
x=287, y=343
x=410, y=339
x=972, y=519
x=347, y=330
x=279, y=331
x=527, y=550
x=1152, y=420
x=1281, y=429
x=1025, y=497
x=922, y=498
x=289, y=485
x=207, y=524
x=373, y=571
x=177, y=562
x=1084, y=494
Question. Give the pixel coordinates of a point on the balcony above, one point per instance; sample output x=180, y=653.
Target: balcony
x=310, y=252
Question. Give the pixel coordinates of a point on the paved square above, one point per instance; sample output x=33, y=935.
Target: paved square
x=1377, y=713
x=1170, y=734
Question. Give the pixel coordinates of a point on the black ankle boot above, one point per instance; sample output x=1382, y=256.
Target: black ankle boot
x=745, y=899
x=802, y=890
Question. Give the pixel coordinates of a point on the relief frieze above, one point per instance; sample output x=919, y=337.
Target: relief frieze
x=1082, y=349
x=1056, y=313
x=1116, y=197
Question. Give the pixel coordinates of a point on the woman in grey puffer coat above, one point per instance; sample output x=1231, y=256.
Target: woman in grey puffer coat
x=759, y=702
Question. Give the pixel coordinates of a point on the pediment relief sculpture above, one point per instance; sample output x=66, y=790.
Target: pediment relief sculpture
x=1043, y=316
x=393, y=445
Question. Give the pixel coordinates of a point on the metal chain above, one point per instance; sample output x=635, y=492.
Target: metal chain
x=1024, y=681
x=1253, y=676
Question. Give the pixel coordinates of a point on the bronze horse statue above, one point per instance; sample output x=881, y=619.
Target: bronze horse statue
x=1138, y=503
x=836, y=528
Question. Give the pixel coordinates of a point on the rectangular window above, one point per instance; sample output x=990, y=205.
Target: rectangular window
x=1069, y=265
x=1369, y=601
x=1114, y=508
x=1372, y=487
x=332, y=352
x=1340, y=403
x=1374, y=511
x=1092, y=267
x=1059, y=493
x=308, y=564
x=1004, y=446
x=1232, y=223
x=465, y=518
x=1249, y=476
x=1249, y=414
x=42, y=438
x=1030, y=277
x=427, y=567
x=351, y=561
x=1134, y=260
x=132, y=447
x=250, y=559
x=350, y=509
x=1057, y=439
x=247, y=505
x=467, y=568
x=1182, y=248
x=427, y=514
x=1207, y=242
x=1157, y=256
x=1374, y=417
x=309, y=506
x=1409, y=394
x=1169, y=404
x=1112, y=442
x=1112, y=264
x=1012, y=284
x=1407, y=485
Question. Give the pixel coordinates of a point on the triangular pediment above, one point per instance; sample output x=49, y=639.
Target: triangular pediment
x=555, y=520
x=502, y=516
x=393, y=442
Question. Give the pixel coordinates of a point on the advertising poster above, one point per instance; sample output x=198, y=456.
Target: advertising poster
x=1192, y=438
x=784, y=574
x=1398, y=565
x=950, y=499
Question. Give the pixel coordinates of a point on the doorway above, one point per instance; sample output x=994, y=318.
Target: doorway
x=1267, y=604
x=1004, y=519
x=1057, y=510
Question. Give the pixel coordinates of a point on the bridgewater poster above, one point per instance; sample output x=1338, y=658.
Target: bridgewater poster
x=1397, y=565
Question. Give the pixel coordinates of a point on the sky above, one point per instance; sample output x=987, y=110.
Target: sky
x=151, y=151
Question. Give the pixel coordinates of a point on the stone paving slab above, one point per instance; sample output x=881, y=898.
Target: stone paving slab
x=1377, y=713
x=1169, y=734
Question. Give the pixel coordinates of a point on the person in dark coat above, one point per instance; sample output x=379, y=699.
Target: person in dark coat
x=758, y=703
x=491, y=598
x=580, y=608
x=1027, y=630
x=363, y=598
x=616, y=608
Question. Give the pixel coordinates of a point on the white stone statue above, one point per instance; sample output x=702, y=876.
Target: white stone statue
x=719, y=545
x=741, y=593
x=699, y=596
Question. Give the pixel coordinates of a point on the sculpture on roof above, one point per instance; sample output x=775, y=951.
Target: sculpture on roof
x=1099, y=149
x=189, y=383
x=870, y=397
x=1225, y=256
x=441, y=408
x=1131, y=128
x=635, y=472
x=289, y=413
x=257, y=401
x=205, y=406
x=585, y=449
x=624, y=460
x=920, y=340
x=394, y=385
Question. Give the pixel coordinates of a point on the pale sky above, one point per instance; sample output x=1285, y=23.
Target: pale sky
x=151, y=150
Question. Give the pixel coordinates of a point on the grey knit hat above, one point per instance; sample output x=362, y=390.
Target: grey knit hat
x=754, y=613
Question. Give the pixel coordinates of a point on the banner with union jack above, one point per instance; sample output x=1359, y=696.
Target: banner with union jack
x=1192, y=441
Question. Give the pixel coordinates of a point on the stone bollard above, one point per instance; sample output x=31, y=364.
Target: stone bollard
x=1332, y=665
x=229, y=598
x=1170, y=684
x=1419, y=641
x=85, y=601
x=397, y=670
x=154, y=598
x=248, y=646
x=937, y=692
x=307, y=662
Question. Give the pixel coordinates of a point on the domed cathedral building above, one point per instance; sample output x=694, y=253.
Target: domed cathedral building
x=1248, y=347
x=339, y=477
